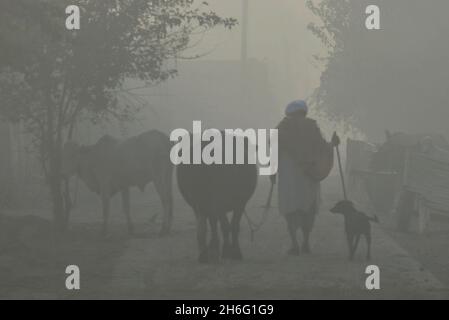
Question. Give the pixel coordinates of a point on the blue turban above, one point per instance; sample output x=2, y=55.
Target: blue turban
x=295, y=106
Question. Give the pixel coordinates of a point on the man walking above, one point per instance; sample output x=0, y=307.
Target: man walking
x=305, y=159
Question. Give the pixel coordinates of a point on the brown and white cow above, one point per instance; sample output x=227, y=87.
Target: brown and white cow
x=110, y=166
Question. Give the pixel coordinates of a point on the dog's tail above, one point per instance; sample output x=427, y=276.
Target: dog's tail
x=374, y=219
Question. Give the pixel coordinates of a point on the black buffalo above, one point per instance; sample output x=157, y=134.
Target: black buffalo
x=213, y=191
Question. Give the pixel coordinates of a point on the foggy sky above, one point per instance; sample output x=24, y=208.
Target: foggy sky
x=278, y=36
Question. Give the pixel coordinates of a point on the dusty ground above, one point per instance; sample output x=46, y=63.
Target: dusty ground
x=431, y=249
x=146, y=266
x=35, y=268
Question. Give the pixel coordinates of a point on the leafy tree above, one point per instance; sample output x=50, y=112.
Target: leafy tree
x=50, y=77
x=395, y=78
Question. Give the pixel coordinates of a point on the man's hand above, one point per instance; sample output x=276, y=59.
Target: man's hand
x=273, y=179
x=335, y=140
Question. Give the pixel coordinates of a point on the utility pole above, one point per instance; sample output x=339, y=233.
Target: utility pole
x=244, y=45
x=244, y=78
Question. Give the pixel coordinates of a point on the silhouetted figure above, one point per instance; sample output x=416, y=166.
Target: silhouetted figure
x=305, y=159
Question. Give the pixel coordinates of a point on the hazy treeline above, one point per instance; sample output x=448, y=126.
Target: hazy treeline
x=395, y=78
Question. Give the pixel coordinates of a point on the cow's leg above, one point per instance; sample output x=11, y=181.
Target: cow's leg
x=126, y=209
x=225, y=230
x=168, y=198
x=236, y=253
x=163, y=186
x=292, y=226
x=201, y=229
x=105, y=204
x=214, y=245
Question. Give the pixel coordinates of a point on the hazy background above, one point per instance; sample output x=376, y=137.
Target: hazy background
x=357, y=82
x=278, y=36
x=280, y=68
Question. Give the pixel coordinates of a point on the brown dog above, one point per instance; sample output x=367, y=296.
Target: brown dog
x=356, y=224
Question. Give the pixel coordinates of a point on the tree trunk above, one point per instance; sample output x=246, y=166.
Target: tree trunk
x=52, y=151
x=59, y=191
x=55, y=180
x=59, y=219
x=6, y=170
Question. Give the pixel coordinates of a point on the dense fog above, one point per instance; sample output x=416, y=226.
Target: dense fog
x=92, y=92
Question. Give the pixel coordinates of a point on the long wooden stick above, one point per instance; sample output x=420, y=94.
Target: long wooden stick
x=341, y=172
x=270, y=196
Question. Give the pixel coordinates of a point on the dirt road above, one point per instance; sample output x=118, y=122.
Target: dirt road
x=146, y=266
x=167, y=268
